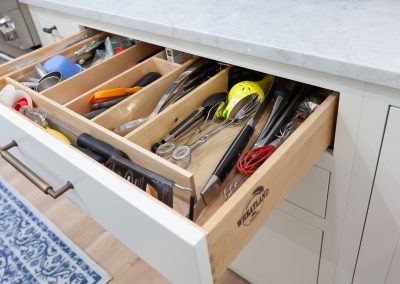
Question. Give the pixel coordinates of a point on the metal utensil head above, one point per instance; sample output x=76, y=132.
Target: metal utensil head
x=245, y=107
x=40, y=70
x=47, y=83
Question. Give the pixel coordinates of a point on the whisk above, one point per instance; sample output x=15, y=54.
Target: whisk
x=250, y=161
x=244, y=108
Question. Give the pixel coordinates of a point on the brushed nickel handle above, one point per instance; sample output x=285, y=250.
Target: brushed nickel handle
x=49, y=30
x=29, y=174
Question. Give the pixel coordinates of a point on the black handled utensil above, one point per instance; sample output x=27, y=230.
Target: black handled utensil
x=118, y=161
x=109, y=103
x=286, y=115
x=147, y=79
x=228, y=160
x=142, y=82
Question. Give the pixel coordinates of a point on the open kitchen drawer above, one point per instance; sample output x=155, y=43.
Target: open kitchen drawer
x=182, y=250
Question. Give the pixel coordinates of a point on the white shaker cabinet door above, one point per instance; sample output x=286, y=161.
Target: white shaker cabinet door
x=52, y=29
x=379, y=255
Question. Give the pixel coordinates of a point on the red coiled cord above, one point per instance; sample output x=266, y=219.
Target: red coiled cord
x=249, y=162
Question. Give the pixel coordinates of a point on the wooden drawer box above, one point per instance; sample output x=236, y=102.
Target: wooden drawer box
x=182, y=250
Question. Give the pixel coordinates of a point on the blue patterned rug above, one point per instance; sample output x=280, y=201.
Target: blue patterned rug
x=33, y=250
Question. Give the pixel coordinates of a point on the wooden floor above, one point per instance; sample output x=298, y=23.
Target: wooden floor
x=108, y=252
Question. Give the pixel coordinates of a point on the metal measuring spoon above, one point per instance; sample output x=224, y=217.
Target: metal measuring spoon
x=47, y=80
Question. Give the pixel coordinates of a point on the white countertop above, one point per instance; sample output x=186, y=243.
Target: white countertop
x=358, y=39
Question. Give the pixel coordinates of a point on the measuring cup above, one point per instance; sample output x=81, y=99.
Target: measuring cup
x=47, y=80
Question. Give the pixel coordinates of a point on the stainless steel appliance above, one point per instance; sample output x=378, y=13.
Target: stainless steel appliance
x=16, y=25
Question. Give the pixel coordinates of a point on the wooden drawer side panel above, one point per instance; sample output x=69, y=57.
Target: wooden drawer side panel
x=234, y=224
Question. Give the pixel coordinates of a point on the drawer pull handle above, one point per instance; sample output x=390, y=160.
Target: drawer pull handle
x=29, y=174
x=49, y=30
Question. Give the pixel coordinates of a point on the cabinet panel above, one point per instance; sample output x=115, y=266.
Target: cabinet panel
x=312, y=192
x=379, y=254
x=63, y=28
x=284, y=251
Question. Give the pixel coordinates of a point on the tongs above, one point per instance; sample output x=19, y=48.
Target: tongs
x=187, y=78
x=182, y=85
x=201, y=111
x=84, y=53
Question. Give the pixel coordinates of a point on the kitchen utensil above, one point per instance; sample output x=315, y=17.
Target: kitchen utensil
x=244, y=108
x=118, y=161
x=200, y=75
x=62, y=64
x=168, y=147
x=286, y=115
x=9, y=96
x=308, y=106
x=105, y=95
x=194, y=116
x=23, y=63
x=147, y=79
x=40, y=70
x=108, y=103
x=46, y=83
x=190, y=78
x=31, y=85
x=47, y=80
x=238, y=92
x=227, y=162
x=281, y=98
x=20, y=103
x=249, y=162
x=94, y=113
x=238, y=74
x=40, y=118
x=82, y=55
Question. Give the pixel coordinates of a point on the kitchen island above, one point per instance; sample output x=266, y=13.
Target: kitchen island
x=348, y=47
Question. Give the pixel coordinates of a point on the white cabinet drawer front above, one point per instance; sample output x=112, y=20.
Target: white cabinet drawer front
x=284, y=251
x=173, y=246
x=312, y=192
x=63, y=29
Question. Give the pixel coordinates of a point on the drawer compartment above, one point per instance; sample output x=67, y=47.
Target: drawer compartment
x=67, y=48
x=126, y=79
x=141, y=104
x=92, y=76
x=200, y=251
x=44, y=52
x=99, y=73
